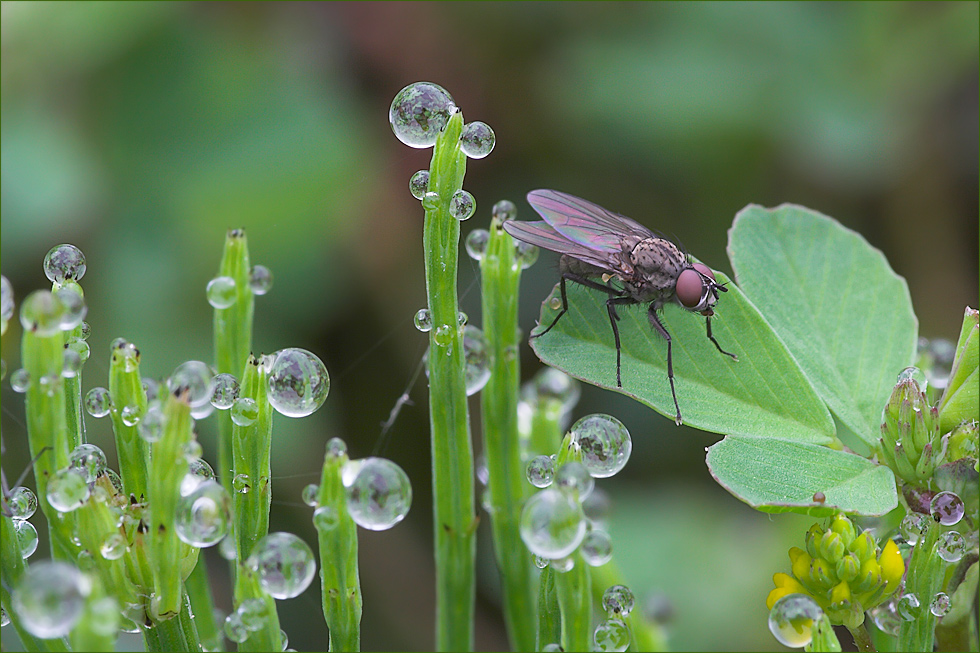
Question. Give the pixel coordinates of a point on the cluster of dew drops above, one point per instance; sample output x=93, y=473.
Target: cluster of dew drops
x=790, y=613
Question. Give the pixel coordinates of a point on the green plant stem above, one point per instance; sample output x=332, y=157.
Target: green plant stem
x=45, y=407
x=501, y=275
x=339, y=579
x=202, y=604
x=549, y=614
x=88, y=634
x=647, y=635
x=269, y=637
x=251, y=456
x=862, y=639
x=73, y=385
x=574, y=587
x=924, y=578
x=233, y=335
x=126, y=389
x=452, y=452
x=12, y=567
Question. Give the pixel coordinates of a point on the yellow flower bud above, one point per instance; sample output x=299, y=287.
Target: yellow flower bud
x=785, y=584
x=840, y=595
x=892, y=566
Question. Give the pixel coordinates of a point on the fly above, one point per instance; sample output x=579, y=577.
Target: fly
x=598, y=244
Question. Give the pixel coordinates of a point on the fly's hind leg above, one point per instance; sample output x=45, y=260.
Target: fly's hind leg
x=613, y=319
x=656, y=324
x=584, y=281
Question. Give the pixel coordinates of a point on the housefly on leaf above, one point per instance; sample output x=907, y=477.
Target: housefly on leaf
x=597, y=244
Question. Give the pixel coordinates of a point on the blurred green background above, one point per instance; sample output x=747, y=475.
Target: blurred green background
x=141, y=132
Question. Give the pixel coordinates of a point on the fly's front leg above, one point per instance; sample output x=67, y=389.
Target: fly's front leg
x=564, y=309
x=712, y=339
x=656, y=324
x=584, y=281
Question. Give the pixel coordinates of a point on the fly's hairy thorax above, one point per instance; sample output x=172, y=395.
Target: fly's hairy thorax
x=656, y=265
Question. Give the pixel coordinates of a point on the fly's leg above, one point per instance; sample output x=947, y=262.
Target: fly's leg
x=712, y=339
x=588, y=283
x=613, y=319
x=656, y=324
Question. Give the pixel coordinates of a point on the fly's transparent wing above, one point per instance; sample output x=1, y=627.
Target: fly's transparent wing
x=541, y=234
x=584, y=222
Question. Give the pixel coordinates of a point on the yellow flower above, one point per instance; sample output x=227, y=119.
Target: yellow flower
x=785, y=584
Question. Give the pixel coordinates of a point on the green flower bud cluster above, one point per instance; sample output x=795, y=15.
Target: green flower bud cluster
x=844, y=571
x=911, y=443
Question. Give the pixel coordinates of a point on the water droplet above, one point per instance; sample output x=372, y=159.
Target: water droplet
x=443, y=335
x=81, y=348
x=42, y=312
x=908, y=607
x=198, y=471
x=235, y=630
x=574, y=478
x=562, y=565
x=611, y=635
x=552, y=524
x=72, y=363
x=204, y=515
x=20, y=380
x=86, y=331
x=913, y=526
x=379, y=493
x=596, y=548
x=951, y=546
x=113, y=547
x=476, y=243
x=298, y=382
x=244, y=411
x=940, y=604
x=913, y=374
x=430, y=201
x=227, y=548
x=462, y=206
x=130, y=415
x=793, y=619
x=284, y=638
x=150, y=428
x=540, y=471
x=539, y=561
x=194, y=378
x=419, y=112
x=89, y=460
x=75, y=308
x=527, y=255
x=241, y=483
x=336, y=448
x=326, y=518
x=26, y=537
x=418, y=185
x=254, y=614
x=284, y=564
x=225, y=391
x=50, y=597
x=605, y=444
x=885, y=618
x=552, y=384
x=947, y=508
x=64, y=262
x=202, y=411
x=67, y=490
x=552, y=647
x=477, y=139
x=618, y=600
x=6, y=300
x=22, y=503
x=260, y=279
x=151, y=388
x=555, y=303
x=310, y=493
x=222, y=292
x=477, y=355
x=423, y=320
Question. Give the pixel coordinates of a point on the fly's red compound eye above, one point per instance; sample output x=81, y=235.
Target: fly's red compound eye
x=705, y=270
x=690, y=288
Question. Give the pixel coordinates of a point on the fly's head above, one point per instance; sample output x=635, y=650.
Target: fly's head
x=697, y=290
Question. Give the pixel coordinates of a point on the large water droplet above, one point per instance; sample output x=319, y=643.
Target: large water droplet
x=260, y=279
x=462, y=205
x=443, y=335
x=226, y=389
x=298, y=382
x=477, y=359
x=67, y=490
x=430, y=201
x=194, y=378
x=130, y=415
x=886, y=618
x=241, y=483
x=150, y=428
x=913, y=526
x=72, y=362
x=793, y=619
x=50, y=597
x=552, y=524
x=75, y=308
x=244, y=411
x=222, y=292
x=379, y=493
x=64, y=262
x=113, y=546
x=477, y=139
x=951, y=546
x=284, y=564
x=42, y=312
x=22, y=503
x=326, y=518
x=198, y=471
x=527, y=255
x=204, y=515
x=596, y=548
x=89, y=460
x=26, y=537
x=611, y=635
x=940, y=604
x=20, y=380
x=254, y=614
x=908, y=607
x=235, y=629
x=574, y=478
x=418, y=185
x=947, y=508
x=552, y=384
x=605, y=444
x=618, y=600
x=476, y=243
x=419, y=113
x=310, y=493
x=423, y=320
